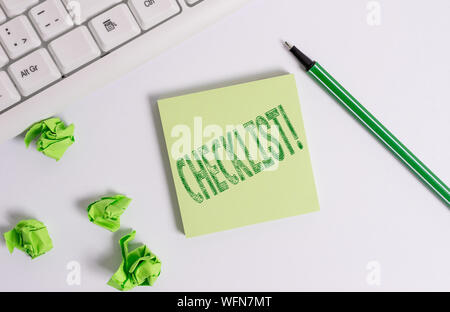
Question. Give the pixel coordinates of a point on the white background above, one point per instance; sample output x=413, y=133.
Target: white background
x=372, y=207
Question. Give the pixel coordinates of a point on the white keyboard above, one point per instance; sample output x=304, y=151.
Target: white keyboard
x=54, y=52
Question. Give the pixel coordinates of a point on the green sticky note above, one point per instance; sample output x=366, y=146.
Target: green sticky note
x=30, y=236
x=106, y=212
x=139, y=267
x=53, y=137
x=239, y=155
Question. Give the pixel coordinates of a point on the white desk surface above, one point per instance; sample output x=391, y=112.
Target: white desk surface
x=372, y=207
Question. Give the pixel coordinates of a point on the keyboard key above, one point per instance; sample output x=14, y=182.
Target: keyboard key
x=50, y=19
x=114, y=27
x=8, y=92
x=2, y=16
x=150, y=13
x=82, y=10
x=18, y=37
x=34, y=72
x=3, y=57
x=16, y=7
x=74, y=49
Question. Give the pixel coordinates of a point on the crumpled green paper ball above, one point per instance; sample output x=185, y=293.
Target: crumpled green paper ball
x=139, y=267
x=30, y=236
x=54, y=137
x=106, y=212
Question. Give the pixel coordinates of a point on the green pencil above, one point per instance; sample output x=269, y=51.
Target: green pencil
x=319, y=74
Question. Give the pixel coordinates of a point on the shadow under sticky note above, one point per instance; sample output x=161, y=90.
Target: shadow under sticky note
x=239, y=155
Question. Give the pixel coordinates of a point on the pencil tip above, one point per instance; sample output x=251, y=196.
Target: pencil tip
x=287, y=45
